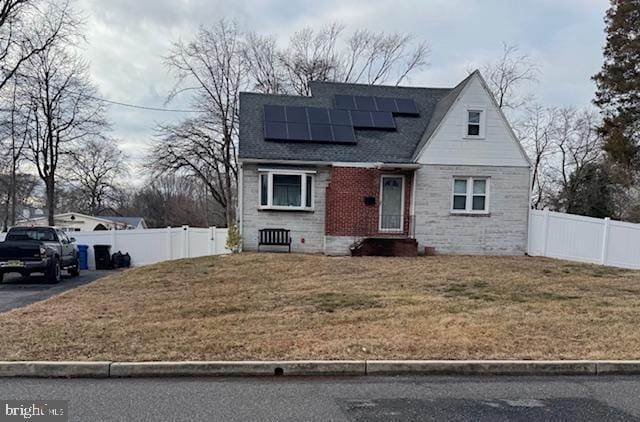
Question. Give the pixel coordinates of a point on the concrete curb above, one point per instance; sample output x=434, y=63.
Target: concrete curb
x=618, y=367
x=480, y=367
x=248, y=368
x=43, y=369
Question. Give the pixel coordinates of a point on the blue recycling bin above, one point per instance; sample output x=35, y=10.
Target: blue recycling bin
x=84, y=256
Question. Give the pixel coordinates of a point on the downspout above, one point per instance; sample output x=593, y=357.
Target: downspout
x=240, y=214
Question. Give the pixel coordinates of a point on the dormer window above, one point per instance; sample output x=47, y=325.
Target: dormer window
x=475, y=124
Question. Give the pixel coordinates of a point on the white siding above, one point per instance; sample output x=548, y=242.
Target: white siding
x=307, y=228
x=448, y=145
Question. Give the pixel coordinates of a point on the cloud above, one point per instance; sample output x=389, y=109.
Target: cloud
x=127, y=41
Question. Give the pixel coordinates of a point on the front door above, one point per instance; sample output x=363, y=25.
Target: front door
x=391, y=203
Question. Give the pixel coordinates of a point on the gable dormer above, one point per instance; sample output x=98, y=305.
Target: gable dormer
x=472, y=131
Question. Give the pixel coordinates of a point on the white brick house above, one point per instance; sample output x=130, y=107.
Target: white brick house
x=440, y=166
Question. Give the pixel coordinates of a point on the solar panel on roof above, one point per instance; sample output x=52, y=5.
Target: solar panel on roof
x=296, y=123
x=386, y=104
x=383, y=120
x=365, y=103
x=321, y=133
x=298, y=132
x=406, y=106
x=275, y=130
x=345, y=102
x=274, y=113
x=318, y=115
x=361, y=119
x=297, y=114
x=343, y=134
x=340, y=117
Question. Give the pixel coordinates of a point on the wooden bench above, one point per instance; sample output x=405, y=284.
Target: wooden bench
x=275, y=237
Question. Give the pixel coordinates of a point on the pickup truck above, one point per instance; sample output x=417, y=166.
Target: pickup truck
x=46, y=250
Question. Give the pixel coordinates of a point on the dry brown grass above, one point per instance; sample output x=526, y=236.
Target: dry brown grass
x=279, y=306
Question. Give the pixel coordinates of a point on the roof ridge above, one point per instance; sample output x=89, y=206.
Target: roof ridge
x=358, y=84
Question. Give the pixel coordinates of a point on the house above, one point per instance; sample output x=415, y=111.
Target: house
x=131, y=223
x=438, y=165
x=73, y=221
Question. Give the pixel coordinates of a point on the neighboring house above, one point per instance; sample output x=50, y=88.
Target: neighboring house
x=441, y=165
x=131, y=223
x=73, y=221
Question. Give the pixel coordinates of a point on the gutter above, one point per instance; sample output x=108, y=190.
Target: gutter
x=377, y=165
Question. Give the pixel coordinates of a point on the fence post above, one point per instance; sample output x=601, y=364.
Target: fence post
x=185, y=246
x=546, y=232
x=605, y=241
x=169, y=246
x=212, y=240
x=113, y=240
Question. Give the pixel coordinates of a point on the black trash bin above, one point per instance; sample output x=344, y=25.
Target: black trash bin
x=103, y=256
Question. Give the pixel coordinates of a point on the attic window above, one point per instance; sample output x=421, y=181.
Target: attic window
x=475, y=123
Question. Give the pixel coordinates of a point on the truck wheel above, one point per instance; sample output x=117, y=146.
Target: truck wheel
x=53, y=272
x=75, y=270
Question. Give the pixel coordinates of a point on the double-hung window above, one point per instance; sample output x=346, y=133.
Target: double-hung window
x=470, y=195
x=475, y=126
x=286, y=190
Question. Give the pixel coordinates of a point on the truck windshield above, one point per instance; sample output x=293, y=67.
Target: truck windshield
x=32, y=233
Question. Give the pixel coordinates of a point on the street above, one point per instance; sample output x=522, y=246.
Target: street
x=16, y=291
x=339, y=399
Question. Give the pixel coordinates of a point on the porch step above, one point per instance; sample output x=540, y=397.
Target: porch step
x=379, y=246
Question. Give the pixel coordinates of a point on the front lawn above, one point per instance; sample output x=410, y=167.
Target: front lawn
x=280, y=306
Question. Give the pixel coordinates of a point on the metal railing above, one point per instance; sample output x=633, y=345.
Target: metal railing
x=386, y=226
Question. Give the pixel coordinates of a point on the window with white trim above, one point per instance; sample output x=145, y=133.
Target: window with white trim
x=286, y=190
x=475, y=123
x=470, y=195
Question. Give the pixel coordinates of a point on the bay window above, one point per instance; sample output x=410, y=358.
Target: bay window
x=286, y=189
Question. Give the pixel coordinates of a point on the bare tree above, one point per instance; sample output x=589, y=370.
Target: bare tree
x=205, y=146
x=262, y=57
x=22, y=186
x=311, y=56
x=95, y=169
x=377, y=57
x=16, y=116
x=579, y=146
x=325, y=55
x=536, y=133
x=29, y=27
x=65, y=111
x=173, y=200
x=508, y=73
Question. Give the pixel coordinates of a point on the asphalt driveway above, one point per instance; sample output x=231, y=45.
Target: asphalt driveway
x=17, y=291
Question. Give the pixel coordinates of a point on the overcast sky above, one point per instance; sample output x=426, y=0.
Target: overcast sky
x=127, y=40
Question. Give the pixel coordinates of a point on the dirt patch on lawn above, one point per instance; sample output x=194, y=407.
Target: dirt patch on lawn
x=281, y=306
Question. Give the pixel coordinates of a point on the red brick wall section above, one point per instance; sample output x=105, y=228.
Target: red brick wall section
x=346, y=212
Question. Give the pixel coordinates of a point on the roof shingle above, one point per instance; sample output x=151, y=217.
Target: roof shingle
x=396, y=146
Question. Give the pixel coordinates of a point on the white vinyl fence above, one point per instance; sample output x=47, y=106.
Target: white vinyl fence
x=584, y=239
x=155, y=245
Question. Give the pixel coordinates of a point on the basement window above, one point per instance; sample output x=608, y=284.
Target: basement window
x=286, y=190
